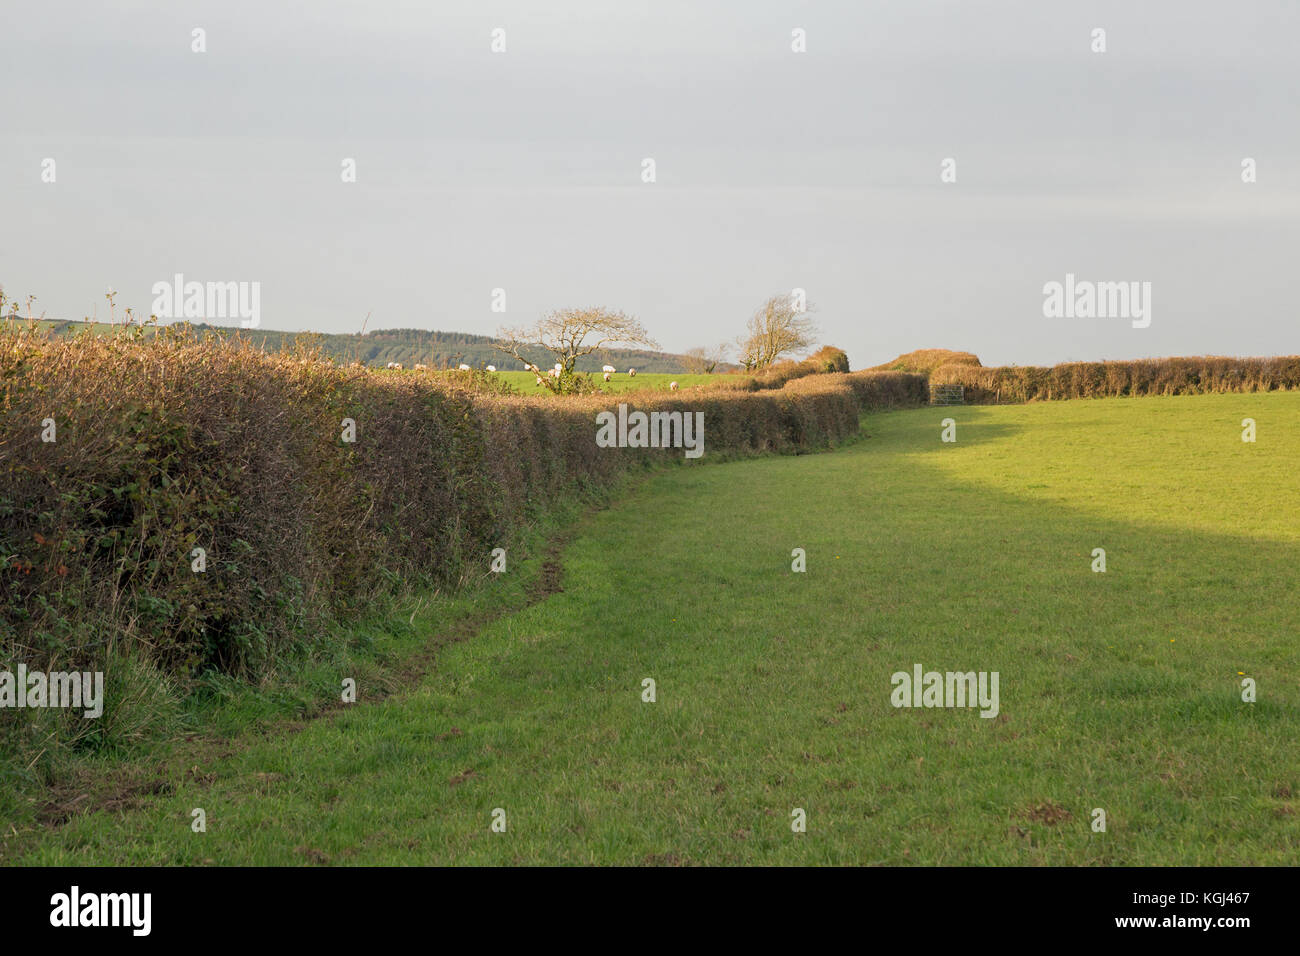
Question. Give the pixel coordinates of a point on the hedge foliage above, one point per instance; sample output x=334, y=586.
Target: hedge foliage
x=926, y=361
x=167, y=444
x=1169, y=376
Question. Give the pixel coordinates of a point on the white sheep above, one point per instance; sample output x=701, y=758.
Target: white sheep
x=608, y=368
x=632, y=372
x=539, y=380
x=672, y=386
x=463, y=367
x=607, y=376
x=422, y=368
x=491, y=368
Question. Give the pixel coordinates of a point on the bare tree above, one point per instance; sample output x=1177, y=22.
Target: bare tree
x=704, y=360
x=778, y=328
x=569, y=334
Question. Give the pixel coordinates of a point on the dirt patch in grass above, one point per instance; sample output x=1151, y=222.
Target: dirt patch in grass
x=549, y=581
x=318, y=857
x=116, y=792
x=1049, y=814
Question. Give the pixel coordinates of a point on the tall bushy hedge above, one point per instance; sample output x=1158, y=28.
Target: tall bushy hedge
x=926, y=361
x=1169, y=376
x=170, y=444
x=826, y=359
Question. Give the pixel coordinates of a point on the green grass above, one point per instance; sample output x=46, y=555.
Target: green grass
x=1118, y=690
x=526, y=382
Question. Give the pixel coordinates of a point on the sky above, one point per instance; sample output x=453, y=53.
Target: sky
x=522, y=170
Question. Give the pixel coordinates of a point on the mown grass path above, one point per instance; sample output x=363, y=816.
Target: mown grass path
x=1119, y=690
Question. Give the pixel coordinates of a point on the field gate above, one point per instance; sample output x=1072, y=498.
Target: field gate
x=947, y=395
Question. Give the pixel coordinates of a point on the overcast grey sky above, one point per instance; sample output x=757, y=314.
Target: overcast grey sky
x=775, y=169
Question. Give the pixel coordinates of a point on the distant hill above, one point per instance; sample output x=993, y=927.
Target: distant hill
x=412, y=346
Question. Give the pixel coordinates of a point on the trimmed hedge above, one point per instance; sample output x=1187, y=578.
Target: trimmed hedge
x=174, y=443
x=1170, y=376
x=926, y=361
x=824, y=360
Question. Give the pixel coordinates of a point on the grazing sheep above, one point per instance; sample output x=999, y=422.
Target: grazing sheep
x=607, y=376
x=491, y=368
x=422, y=368
x=608, y=368
x=463, y=367
x=632, y=372
x=554, y=373
x=396, y=366
x=672, y=386
x=539, y=380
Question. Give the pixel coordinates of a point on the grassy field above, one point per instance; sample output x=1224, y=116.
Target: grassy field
x=526, y=382
x=1119, y=691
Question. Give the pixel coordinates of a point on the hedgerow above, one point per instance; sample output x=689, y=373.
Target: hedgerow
x=1167, y=376
x=176, y=451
